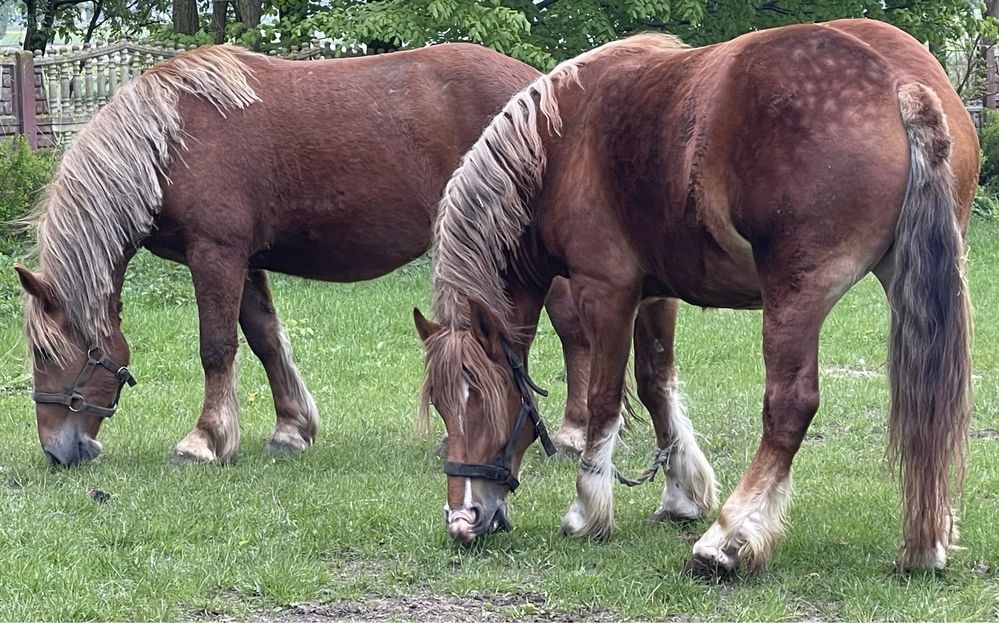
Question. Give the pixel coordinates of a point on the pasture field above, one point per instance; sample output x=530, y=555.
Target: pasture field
x=357, y=520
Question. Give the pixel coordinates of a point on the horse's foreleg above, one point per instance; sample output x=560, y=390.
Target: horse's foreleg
x=218, y=276
x=690, y=490
x=297, y=415
x=608, y=313
x=570, y=438
x=753, y=517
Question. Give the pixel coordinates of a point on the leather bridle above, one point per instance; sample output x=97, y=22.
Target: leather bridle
x=501, y=468
x=73, y=398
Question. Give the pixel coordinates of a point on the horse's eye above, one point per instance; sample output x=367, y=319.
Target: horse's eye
x=42, y=355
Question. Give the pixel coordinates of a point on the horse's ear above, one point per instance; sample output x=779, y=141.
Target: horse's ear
x=34, y=285
x=485, y=328
x=425, y=328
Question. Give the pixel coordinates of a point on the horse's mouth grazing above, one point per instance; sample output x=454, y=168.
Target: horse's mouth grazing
x=468, y=523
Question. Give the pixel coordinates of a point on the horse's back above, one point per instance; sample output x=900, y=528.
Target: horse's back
x=336, y=171
x=745, y=153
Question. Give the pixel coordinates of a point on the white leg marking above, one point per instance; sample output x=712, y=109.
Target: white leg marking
x=691, y=490
x=592, y=512
x=223, y=411
x=748, y=526
x=298, y=423
x=937, y=557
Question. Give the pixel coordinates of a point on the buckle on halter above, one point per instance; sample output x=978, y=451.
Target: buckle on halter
x=76, y=403
x=124, y=376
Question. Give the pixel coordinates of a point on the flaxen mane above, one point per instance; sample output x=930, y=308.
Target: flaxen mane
x=107, y=190
x=484, y=211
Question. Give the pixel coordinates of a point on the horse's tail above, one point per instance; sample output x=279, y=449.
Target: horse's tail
x=929, y=358
x=107, y=189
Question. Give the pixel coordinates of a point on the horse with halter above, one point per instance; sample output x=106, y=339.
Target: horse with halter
x=774, y=170
x=234, y=164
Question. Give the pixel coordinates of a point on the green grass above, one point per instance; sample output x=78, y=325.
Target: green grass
x=360, y=513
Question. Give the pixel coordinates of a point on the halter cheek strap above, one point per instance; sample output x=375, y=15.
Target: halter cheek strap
x=501, y=468
x=73, y=398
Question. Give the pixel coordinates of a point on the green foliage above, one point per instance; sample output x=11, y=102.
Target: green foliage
x=24, y=173
x=990, y=150
x=986, y=204
x=562, y=29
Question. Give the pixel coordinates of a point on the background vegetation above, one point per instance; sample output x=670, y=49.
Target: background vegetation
x=537, y=31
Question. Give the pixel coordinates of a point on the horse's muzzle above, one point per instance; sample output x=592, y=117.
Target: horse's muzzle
x=74, y=451
x=465, y=524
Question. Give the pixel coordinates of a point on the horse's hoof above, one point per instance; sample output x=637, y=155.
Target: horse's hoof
x=287, y=444
x=707, y=568
x=565, y=451
x=663, y=515
x=192, y=455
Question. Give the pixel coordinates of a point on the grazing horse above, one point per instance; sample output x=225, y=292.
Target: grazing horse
x=234, y=163
x=772, y=171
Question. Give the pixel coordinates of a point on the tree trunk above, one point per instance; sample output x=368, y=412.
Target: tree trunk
x=249, y=12
x=94, y=20
x=220, y=10
x=185, y=17
x=991, y=99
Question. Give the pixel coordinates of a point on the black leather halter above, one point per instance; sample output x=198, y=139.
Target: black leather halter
x=500, y=469
x=73, y=399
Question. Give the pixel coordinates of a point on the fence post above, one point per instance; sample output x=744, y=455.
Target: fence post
x=23, y=90
x=992, y=79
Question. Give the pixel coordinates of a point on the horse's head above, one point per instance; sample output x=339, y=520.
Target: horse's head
x=76, y=384
x=483, y=394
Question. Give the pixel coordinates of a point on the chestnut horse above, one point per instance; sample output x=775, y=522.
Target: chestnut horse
x=233, y=164
x=772, y=171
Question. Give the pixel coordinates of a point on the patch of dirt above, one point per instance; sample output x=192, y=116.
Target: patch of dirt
x=985, y=433
x=431, y=609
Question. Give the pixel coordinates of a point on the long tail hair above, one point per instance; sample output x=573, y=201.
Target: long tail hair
x=107, y=190
x=929, y=352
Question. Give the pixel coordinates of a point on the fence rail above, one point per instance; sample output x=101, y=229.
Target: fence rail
x=49, y=97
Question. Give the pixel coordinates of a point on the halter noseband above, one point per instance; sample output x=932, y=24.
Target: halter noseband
x=500, y=469
x=73, y=399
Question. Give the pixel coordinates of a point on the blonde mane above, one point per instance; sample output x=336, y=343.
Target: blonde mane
x=107, y=189
x=485, y=206
x=480, y=219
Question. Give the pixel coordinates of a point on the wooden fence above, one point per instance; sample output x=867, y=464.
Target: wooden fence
x=49, y=97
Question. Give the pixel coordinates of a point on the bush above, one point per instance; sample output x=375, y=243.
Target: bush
x=24, y=173
x=990, y=151
x=986, y=204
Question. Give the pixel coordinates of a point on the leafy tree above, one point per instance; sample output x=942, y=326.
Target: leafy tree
x=543, y=32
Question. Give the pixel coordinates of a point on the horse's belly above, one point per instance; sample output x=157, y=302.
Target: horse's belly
x=339, y=259
x=716, y=280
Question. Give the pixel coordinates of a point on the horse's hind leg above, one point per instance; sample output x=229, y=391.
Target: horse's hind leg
x=297, y=415
x=570, y=437
x=690, y=490
x=753, y=517
x=218, y=275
